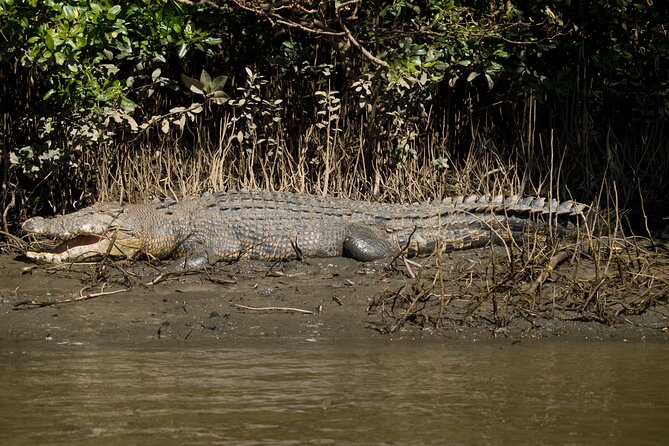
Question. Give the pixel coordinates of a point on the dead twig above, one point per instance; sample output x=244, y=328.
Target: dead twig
x=29, y=304
x=401, y=254
x=278, y=309
x=231, y=281
x=168, y=274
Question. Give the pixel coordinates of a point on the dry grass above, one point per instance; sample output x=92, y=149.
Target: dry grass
x=315, y=162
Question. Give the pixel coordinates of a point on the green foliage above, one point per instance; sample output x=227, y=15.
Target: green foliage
x=441, y=40
x=89, y=53
x=89, y=65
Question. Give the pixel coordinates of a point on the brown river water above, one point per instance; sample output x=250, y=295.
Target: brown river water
x=365, y=392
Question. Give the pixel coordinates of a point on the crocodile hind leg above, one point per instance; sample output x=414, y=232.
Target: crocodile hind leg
x=366, y=243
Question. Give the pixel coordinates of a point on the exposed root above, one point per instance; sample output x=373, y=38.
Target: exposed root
x=552, y=264
x=12, y=242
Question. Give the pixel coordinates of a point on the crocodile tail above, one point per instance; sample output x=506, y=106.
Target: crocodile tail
x=514, y=204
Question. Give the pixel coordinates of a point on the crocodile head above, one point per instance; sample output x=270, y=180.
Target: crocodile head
x=102, y=230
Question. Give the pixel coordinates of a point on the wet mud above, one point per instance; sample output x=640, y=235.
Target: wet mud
x=318, y=299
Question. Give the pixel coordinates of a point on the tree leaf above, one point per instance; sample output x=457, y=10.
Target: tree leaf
x=131, y=121
x=218, y=83
x=193, y=84
x=219, y=101
x=183, y=49
x=68, y=12
x=205, y=79
x=491, y=83
x=48, y=40
x=181, y=121
x=59, y=58
x=156, y=74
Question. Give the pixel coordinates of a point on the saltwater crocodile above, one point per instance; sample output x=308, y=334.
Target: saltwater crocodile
x=276, y=225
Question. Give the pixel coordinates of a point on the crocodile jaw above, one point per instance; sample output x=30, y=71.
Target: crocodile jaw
x=87, y=248
x=88, y=235
x=81, y=248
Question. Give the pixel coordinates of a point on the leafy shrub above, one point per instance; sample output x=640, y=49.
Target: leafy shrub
x=89, y=66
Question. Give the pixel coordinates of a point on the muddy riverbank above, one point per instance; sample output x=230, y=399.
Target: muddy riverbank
x=315, y=300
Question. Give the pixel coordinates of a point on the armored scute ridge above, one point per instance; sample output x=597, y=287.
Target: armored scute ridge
x=278, y=225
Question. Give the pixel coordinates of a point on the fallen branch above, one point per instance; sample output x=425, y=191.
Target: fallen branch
x=29, y=304
x=553, y=263
x=279, y=309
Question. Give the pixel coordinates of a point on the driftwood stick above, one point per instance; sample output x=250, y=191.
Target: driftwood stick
x=278, y=309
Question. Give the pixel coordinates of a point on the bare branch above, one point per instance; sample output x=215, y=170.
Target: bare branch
x=365, y=52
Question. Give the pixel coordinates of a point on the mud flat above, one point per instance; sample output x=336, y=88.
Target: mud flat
x=331, y=299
